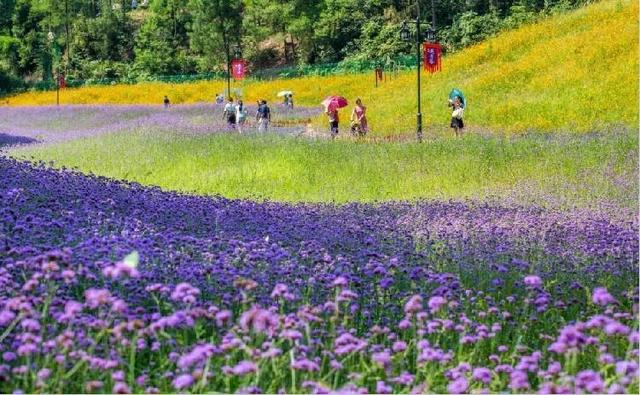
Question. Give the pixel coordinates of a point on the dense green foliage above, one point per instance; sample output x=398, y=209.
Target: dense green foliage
x=97, y=39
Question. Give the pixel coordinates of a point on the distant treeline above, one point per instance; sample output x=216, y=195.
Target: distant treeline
x=112, y=39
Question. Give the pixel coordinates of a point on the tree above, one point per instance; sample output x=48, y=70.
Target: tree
x=105, y=39
x=7, y=8
x=217, y=25
x=155, y=49
x=32, y=52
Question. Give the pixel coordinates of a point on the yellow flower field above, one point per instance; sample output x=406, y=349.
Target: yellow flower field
x=577, y=71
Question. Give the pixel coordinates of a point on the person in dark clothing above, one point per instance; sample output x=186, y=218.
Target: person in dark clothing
x=263, y=116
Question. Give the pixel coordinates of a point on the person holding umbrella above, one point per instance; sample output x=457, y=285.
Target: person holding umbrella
x=458, y=102
x=334, y=121
x=331, y=105
x=456, y=116
x=288, y=98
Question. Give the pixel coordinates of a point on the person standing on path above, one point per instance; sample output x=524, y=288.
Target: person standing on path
x=456, y=115
x=230, y=114
x=241, y=115
x=334, y=120
x=166, y=102
x=359, y=116
x=263, y=116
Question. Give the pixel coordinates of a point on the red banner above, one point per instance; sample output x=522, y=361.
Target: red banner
x=238, y=69
x=62, y=83
x=432, y=57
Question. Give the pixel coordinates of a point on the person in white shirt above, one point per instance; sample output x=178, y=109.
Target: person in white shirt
x=241, y=115
x=230, y=114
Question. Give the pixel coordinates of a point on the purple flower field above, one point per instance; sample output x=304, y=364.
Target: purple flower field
x=50, y=124
x=113, y=287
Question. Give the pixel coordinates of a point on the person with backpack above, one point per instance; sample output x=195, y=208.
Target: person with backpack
x=263, y=116
x=241, y=115
x=230, y=114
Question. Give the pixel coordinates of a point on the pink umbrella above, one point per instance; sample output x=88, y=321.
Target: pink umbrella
x=333, y=102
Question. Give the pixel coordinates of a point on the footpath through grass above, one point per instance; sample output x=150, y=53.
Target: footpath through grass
x=537, y=168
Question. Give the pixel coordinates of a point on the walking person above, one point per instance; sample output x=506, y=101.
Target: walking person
x=263, y=116
x=334, y=121
x=456, y=115
x=230, y=114
x=166, y=102
x=219, y=99
x=241, y=115
x=291, y=101
x=359, y=118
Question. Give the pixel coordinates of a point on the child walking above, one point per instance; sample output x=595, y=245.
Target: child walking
x=456, y=115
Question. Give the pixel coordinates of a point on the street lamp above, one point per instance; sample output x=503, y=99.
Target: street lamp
x=51, y=38
x=405, y=35
x=431, y=34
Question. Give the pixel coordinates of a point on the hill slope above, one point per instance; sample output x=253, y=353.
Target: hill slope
x=577, y=71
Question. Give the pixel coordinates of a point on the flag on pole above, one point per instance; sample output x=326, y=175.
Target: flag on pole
x=432, y=57
x=238, y=69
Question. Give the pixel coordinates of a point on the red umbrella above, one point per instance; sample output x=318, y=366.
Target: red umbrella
x=333, y=102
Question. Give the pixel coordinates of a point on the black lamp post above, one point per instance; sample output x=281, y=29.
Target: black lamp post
x=405, y=35
x=51, y=38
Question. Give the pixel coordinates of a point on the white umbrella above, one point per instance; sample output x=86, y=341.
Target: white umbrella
x=284, y=93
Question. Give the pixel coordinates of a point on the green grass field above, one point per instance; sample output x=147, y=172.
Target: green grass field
x=538, y=168
x=568, y=73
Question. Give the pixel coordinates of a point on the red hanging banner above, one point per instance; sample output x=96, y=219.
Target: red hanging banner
x=238, y=69
x=432, y=57
x=62, y=83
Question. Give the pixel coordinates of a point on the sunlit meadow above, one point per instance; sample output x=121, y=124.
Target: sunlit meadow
x=575, y=72
x=285, y=262
x=561, y=170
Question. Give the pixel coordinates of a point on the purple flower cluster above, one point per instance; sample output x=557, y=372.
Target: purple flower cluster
x=239, y=296
x=24, y=125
